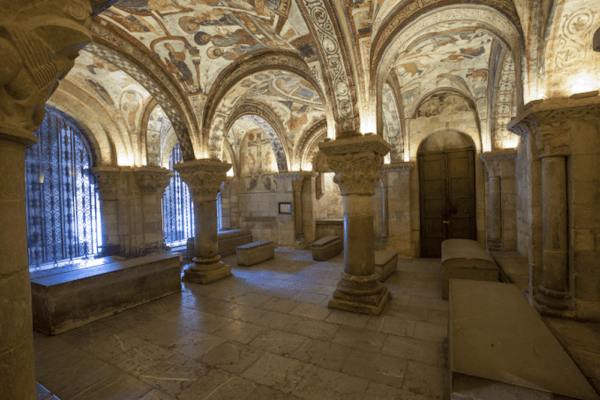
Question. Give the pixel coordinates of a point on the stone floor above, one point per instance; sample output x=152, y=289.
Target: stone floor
x=265, y=333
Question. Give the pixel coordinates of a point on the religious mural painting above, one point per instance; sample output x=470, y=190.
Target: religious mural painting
x=392, y=128
x=195, y=39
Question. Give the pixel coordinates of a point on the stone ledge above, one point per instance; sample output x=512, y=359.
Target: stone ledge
x=74, y=298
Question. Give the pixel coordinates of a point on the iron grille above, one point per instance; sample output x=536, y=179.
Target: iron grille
x=178, y=208
x=62, y=201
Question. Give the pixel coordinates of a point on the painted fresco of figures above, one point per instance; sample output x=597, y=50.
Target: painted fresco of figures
x=130, y=107
x=174, y=54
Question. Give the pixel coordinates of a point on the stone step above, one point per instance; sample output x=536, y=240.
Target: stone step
x=497, y=341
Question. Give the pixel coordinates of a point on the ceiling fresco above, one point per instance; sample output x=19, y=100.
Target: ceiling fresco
x=295, y=103
x=450, y=55
x=196, y=39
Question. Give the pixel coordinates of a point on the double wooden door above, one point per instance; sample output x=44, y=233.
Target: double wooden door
x=447, y=198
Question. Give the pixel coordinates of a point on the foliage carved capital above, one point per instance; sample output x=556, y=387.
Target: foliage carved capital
x=108, y=180
x=203, y=177
x=152, y=180
x=356, y=162
x=554, y=140
x=38, y=46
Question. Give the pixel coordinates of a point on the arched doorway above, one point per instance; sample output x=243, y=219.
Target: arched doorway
x=447, y=190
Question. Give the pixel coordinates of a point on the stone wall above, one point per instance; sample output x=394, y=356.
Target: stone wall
x=583, y=191
x=330, y=204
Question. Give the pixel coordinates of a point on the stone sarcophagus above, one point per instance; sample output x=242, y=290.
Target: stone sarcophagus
x=326, y=247
x=386, y=263
x=64, y=301
x=255, y=252
x=466, y=259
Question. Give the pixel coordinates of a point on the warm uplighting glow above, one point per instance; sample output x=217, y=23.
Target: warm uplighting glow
x=124, y=160
x=509, y=143
x=406, y=156
x=368, y=124
x=230, y=172
x=387, y=158
x=582, y=83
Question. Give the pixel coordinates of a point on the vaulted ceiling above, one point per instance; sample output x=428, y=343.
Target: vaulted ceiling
x=207, y=63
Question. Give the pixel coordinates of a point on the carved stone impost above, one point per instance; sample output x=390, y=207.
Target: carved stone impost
x=152, y=180
x=297, y=178
x=356, y=162
x=203, y=177
x=493, y=160
x=39, y=41
x=549, y=121
x=108, y=180
x=397, y=167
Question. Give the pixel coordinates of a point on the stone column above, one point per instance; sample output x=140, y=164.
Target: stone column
x=204, y=178
x=553, y=146
x=356, y=162
x=385, y=226
x=38, y=43
x=108, y=180
x=494, y=241
x=152, y=182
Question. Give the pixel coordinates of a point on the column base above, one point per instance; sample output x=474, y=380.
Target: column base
x=495, y=245
x=300, y=241
x=371, y=299
x=550, y=303
x=382, y=242
x=206, y=270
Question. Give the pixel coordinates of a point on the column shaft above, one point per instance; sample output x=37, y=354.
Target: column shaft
x=359, y=248
x=554, y=213
x=206, y=241
x=17, y=372
x=299, y=225
x=495, y=241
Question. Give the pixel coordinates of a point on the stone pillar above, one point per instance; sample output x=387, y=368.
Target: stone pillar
x=38, y=42
x=553, y=146
x=356, y=162
x=385, y=211
x=130, y=203
x=152, y=182
x=297, y=210
x=497, y=169
x=204, y=178
x=108, y=180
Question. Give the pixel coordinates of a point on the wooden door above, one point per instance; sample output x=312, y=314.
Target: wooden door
x=447, y=198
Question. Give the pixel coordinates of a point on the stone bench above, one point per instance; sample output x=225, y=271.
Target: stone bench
x=466, y=259
x=499, y=348
x=255, y=252
x=228, y=241
x=386, y=263
x=69, y=299
x=326, y=248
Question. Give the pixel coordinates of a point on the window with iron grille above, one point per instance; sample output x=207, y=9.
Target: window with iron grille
x=178, y=207
x=63, y=217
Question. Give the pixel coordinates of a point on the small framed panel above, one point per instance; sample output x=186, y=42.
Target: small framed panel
x=285, y=208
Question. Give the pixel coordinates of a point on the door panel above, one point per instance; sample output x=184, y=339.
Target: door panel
x=433, y=186
x=447, y=186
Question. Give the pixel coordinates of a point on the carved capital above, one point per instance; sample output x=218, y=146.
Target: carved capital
x=38, y=46
x=296, y=177
x=152, y=180
x=356, y=162
x=493, y=160
x=554, y=140
x=108, y=180
x=203, y=177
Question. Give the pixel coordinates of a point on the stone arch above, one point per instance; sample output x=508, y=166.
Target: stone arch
x=96, y=132
x=270, y=123
x=338, y=68
x=119, y=52
x=473, y=137
x=425, y=96
x=396, y=153
x=234, y=161
x=212, y=130
x=306, y=141
x=405, y=24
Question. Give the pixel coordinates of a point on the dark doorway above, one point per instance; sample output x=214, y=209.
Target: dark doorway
x=447, y=198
